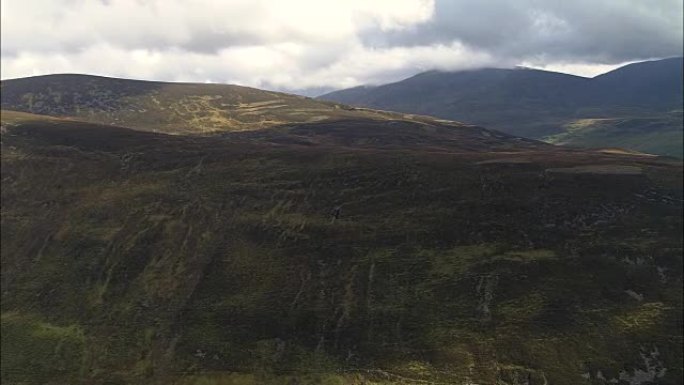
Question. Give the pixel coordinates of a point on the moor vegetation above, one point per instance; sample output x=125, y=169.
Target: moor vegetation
x=456, y=255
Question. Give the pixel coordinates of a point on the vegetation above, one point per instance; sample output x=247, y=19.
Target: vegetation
x=459, y=255
x=174, y=108
x=656, y=135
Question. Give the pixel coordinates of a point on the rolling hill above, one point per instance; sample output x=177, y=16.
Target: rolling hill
x=539, y=104
x=364, y=247
x=176, y=108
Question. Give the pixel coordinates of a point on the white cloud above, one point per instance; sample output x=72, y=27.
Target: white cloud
x=196, y=25
x=299, y=44
x=580, y=69
x=276, y=66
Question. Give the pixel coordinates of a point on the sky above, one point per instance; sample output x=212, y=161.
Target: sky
x=314, y=46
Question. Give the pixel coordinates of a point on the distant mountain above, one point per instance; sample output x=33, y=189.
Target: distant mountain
x=528, y=102
x=656, y=85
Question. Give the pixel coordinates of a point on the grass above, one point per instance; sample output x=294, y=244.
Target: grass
x=660, y=135
x=37, y=351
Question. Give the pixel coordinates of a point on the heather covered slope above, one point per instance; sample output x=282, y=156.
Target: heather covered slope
x=138, y=257
x=539, y=104
x=176, y=108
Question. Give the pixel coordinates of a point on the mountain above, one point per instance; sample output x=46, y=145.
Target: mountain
x=535, y=103
x=366, y=247
x=654, y=84
x=473, y=96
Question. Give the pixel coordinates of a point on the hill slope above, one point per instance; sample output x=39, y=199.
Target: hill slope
x=455, y=255
x=656, y=135
x=166, y=107
x=531, y=103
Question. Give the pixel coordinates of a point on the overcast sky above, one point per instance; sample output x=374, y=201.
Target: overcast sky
x=316, y=45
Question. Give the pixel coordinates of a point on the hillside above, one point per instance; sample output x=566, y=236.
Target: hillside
x=353, y=251
x=656, y=135
x=166, y=107
x=533, y=103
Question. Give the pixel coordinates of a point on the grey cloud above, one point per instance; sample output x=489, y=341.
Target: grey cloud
x=608, y=31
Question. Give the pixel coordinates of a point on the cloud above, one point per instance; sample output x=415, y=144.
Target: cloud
x=196, y=25
x=277, y=66
x=322, y=44
x=595, y=31
x=586, y=70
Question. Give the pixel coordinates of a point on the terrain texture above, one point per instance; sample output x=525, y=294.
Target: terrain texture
x=360, y=248
x=175, y=108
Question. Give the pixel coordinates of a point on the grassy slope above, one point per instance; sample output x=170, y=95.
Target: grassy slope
x=658, y=135
x=176, y=108
x=133, y=257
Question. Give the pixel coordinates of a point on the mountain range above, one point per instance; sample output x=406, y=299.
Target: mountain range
x=638, y=106
x=169, y=233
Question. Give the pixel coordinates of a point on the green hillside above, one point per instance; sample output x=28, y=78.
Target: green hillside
x=356, y=251
x=656, y=135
